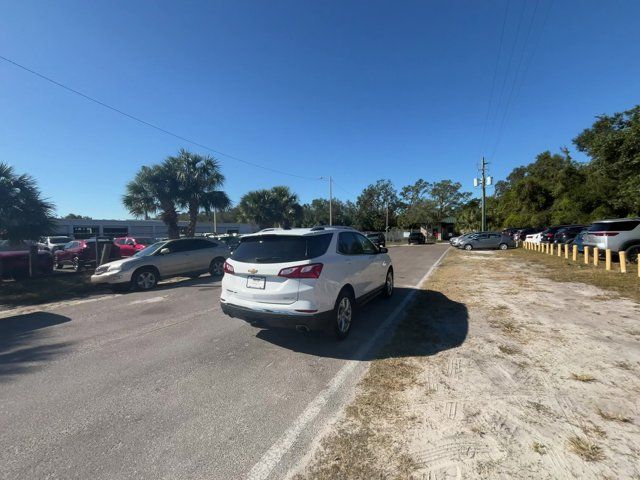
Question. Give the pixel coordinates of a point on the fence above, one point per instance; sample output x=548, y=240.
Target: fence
x=589, y=255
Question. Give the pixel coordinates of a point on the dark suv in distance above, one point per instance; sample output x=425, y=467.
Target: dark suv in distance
x=549, y=234
x=377, y=238
x=416, y=238
x=567, y=234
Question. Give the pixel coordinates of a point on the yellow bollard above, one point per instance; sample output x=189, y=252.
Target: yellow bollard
x=638, y=267
x=575, y=253
x=566, y=252
x=551, y=245
x=623, y=262
x=547, y=247
x=596, y=256
x=559, y=250
x=607, y=259
x=586, y=254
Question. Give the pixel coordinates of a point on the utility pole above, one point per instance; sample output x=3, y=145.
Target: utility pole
x=386, y=223
x=483, y=182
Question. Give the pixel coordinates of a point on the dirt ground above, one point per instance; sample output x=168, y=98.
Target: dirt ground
x=497, y=371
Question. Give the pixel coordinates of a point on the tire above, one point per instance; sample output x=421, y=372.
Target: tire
x=632, y=253
x=59, y=266
x=343, y=314
x=503, y=246
x=216, y=267
x=468, y=247
x=145, y=279
x=388, y=284
x=75, y=263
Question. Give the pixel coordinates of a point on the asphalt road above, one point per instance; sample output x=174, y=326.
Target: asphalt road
x=162, y=385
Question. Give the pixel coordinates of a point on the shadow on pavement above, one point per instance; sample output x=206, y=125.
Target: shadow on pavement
x=21, y=342
x=432, y=323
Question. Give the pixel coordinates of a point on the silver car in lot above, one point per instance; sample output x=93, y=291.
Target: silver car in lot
x=487, y=240
x=190, y=257
x=617, y=235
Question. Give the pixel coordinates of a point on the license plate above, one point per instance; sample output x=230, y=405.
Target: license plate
x=256, y=282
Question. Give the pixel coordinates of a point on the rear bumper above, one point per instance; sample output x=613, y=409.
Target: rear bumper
x=278, y=318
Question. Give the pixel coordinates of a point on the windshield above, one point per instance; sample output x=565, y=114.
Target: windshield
x=150, y=250
x=281, y=248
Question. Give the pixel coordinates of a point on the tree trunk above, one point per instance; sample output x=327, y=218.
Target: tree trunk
x=193, y=219
x=170, y=218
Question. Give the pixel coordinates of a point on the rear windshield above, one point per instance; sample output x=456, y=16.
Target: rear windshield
x=281, y=248
x=60, y=239
x=622, y=226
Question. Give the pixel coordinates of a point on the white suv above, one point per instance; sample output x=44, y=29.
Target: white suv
x=307, y=278
x=618, y=235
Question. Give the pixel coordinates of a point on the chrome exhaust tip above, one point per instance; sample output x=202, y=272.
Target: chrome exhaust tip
x=302, y=328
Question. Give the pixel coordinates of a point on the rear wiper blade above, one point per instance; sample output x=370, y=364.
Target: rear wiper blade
x=267, y=259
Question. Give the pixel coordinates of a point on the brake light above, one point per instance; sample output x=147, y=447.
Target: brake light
x=549, y=235
x=228, y=268
x=312, y=270
x=604, y=234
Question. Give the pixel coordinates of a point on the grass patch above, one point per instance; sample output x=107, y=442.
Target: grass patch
x=562, y=270
x=583, y=377
x=586, y=449
x=624, y=365
x=58, y=286
x=508, y=350
x=508, y=327
x=613, y=417
x=539, y=448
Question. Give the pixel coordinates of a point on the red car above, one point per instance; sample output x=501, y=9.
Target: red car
x=131, y=245
x=82, y=253
x=15, y=264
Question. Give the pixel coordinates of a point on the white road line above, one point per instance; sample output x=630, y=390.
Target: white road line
x=272, y=457
x=147, y=300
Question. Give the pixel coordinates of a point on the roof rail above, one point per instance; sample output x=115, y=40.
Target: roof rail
x=337, y=227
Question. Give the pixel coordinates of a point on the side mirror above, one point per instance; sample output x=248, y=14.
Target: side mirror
x=383, y=250
x=165, y=251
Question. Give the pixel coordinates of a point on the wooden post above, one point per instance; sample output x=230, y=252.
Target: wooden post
x=623, y=262
x=596, y=256
x=33, y=261
x=607, y=259
x=566, y=251
x=586, y=254
x=575, y=253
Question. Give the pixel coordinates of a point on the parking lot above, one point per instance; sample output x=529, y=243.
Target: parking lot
x=161, y=384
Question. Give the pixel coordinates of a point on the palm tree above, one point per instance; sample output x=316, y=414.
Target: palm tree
x=200, y=179
x=267, y=208
x=155, y=189
x=24, y=214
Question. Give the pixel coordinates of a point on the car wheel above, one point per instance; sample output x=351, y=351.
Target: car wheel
x=388, y=284
x=468, y=247
x=216, y=268
x=632, y=254
x=343, y=314
x=77, y=266
x=503, y=246
x=145, y=279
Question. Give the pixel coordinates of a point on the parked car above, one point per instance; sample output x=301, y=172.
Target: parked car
x=521, y=235
x=231, y=241
x=131, y=245
x=190, y=257
x=549, y=234
x=534, y=237
x=310, y=279
x=510, y=231
x=15, y=263
x=487, y=240
x=378, y=238
x=416, y=238
x=579, y=240
x=55, y=243
x=618, y=235
x=567, y=234
x=82, y=253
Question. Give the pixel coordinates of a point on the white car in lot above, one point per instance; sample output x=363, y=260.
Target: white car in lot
x=534, y=238
x=189, y=257
x=306, y=278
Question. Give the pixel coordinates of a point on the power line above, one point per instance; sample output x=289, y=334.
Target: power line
x=151, y=125
x=495, y=75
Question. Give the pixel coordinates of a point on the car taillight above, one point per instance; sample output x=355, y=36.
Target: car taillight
x=549, y=235
x=228, y=268
x=604, y=234
x=312, y=270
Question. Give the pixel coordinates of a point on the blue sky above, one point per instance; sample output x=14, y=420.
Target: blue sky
x=357, y=90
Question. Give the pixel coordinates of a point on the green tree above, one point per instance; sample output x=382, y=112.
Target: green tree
x=375, y=203
x=24, y=214
x=447, y=199
x=317, y=212
x=275, y=207
x=74, y=216
x=199, y=180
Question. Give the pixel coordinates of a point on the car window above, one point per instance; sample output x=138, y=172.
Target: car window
x=621, y=226
x=181, y=246
x=202, y=244
x=368, y=247
x=495, y=235
x=120, y=241
x=348, y=244
x=281, y=248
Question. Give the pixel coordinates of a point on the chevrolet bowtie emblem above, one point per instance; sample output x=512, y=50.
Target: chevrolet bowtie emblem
x=253, y=270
